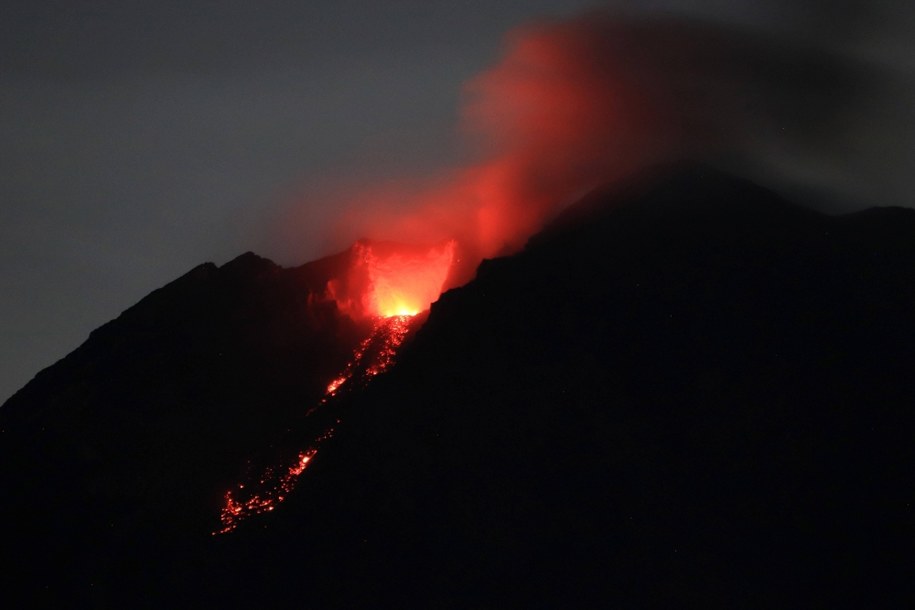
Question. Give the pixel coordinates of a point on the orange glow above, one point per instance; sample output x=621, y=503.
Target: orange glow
x=386, y=279
x=334, y=385
x=403, y=284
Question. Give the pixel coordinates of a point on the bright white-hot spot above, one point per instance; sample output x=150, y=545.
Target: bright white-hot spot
x=405, y=283
x=388, y=280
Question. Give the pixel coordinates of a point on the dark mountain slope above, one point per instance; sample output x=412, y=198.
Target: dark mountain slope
x=685, y=392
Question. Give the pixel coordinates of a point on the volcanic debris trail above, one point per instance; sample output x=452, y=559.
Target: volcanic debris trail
x=375, y=355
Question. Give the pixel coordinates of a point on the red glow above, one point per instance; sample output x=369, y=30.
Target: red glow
x=403, y=285
x=388, y=280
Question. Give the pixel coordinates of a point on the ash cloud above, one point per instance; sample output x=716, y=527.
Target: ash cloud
x=575, y=103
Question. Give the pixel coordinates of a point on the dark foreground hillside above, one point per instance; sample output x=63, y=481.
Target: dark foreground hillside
x=685, y=392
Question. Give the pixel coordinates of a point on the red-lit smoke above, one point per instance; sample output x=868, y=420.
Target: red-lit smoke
x=575, y=104
x=389, y=279
x=553, y=118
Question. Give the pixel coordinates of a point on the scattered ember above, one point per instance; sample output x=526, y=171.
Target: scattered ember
x=236, y=510
x=374, y=356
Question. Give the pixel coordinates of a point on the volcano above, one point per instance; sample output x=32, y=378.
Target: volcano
x=684, y=391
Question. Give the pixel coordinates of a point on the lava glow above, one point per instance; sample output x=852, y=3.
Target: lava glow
x=403, y=285
x=388, y=280
x=235, y=510
x=374, y=356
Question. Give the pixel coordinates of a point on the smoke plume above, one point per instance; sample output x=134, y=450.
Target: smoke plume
x=576, y=103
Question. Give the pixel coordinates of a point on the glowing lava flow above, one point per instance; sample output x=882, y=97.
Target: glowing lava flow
x=372, y=357
x=387, y=283
x=375, y=355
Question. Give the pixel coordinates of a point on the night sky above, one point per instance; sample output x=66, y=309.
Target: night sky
x=139, y=139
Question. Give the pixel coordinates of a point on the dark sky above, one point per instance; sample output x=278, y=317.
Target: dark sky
x=139, y=139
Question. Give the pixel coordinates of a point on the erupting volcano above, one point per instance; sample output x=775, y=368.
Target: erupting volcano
x=389, y=284
x=687, y=385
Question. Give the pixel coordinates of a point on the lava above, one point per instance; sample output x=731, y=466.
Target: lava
x=235, y=510
x=373, y=356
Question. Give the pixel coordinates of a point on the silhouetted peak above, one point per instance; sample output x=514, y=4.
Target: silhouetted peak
x=249, y=262
x=686, y=194
x=892, y=227
x=884, y=215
